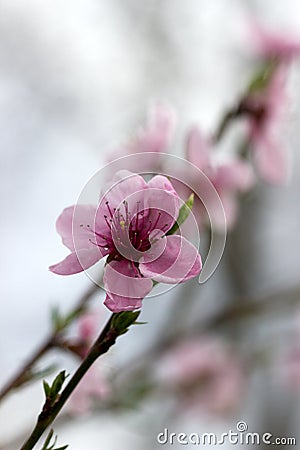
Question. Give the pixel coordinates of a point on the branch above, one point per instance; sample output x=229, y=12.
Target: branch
x=117, y=325
x=23, y=374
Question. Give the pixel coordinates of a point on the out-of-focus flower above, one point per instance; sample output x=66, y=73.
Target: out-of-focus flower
x=92, y=387
x=129, y=225
x=266, y=110
x=151, y=140
x=229, y=177
x=268, y=44
x=266, y=105
x=94, y=384
x=205, y=376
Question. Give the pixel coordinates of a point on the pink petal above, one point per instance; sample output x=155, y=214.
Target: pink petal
x=162, y=182
x=124, y=184
x=235, y=175
x=68, y=224
x=157, y=134
x=77, y=262
x=117, y=303
x=272, y=44
x=198, y=149
x=161, y=198
x=230, y=204
x=124, y=286
x=272, y=160
x=179, y=262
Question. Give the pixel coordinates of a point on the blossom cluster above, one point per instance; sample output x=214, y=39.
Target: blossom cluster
x=131, y=224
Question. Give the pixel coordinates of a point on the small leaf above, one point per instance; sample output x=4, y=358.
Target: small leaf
x=56, y=319
x=262, y=78
x=122, y=321
x=47, y=388
x=184, y=212
x=57, y=383
x=48, y=439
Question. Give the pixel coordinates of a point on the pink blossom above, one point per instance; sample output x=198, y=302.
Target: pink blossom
x=266, y=111
x=92, y=387
x=129, y=225
x=88, y=326
x=290, y=367
x=205, y=375
x=273, y=44
x=151, y=140
x=229, y=177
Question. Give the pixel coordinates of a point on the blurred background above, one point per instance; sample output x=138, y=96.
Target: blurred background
x=76, y=80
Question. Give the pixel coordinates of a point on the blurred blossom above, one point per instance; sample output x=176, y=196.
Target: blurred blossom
x=205, y=375
x=92, y=387
x=155, y=137
x=266, y=106
x=266, y=110
x=230, y=177
x=88, y=326
x=289, y=362
x=129, y=226
x=291, y=366
x=271, y=45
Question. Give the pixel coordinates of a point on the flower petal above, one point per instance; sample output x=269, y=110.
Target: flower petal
x=124, y=184
x=235, y=175
x=198, y=149
x=179, y=262
x=124, y=286
x=75, y=225
x=272, y=160
x=163, y=203
x=77, y=262
x=117, y=303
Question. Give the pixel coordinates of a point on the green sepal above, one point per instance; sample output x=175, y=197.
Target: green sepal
x=184, y=212
x=123, y=320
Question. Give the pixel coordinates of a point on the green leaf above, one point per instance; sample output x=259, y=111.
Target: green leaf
x=47, y=388
x=57, y=319
x=48, y=440
x=122, y=321
x=52, y=391
x=60, y=322
x=262, y=78
x=184, y=212
x=57, y=383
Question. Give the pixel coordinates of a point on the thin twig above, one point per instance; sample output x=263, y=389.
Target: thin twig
x=23, y=374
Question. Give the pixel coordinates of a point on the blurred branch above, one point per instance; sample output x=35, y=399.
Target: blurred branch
x=243, y=309
x=25, y=373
